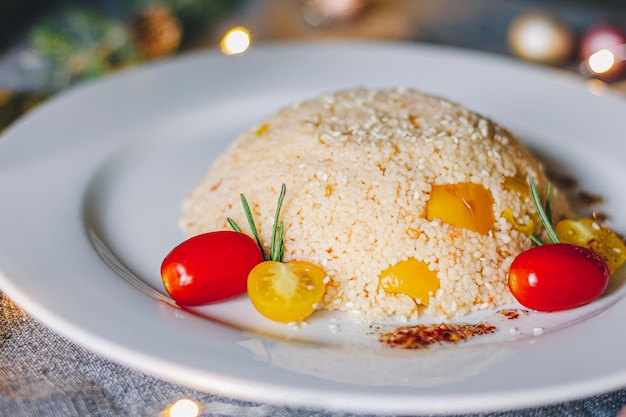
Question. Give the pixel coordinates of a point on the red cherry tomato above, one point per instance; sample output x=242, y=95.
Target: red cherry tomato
x=210, y=267
x=557, y=276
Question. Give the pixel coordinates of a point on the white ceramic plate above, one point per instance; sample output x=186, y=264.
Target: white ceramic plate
x=91, y=185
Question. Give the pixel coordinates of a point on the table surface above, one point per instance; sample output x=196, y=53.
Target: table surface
x=44, y=374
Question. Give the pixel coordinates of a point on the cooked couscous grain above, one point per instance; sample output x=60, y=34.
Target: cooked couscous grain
x=360, y=167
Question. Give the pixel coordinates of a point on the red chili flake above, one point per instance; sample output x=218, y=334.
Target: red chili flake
x=414, y=120
x=425, y=335
x=217, y=184
x=513, y=314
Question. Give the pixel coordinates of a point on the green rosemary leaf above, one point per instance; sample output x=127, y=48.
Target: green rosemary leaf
x=536, y=240
x=246, y=209
x=234, y=225
x=277, y=235
x=280, y=243
x=273, y=244
x=545, y=218
x=548, y=204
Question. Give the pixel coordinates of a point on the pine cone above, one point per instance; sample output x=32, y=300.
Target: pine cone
x=156, y=31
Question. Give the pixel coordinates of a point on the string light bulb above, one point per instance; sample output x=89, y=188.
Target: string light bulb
x=235, y=41
x=183, y=407
x=601, y=61
x=603, y=52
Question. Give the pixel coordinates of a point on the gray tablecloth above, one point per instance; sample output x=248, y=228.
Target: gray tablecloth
x=43, y=374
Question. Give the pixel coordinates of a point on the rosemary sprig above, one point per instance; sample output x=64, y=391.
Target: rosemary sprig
x=544, y=213
x=277, y=248
x=277, y=245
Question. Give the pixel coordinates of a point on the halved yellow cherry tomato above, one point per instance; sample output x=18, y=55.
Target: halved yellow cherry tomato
x=286, y=291
x=517, y=184
x=410, y=277
x=527, y=228
x=591, y=234
x=465, y=205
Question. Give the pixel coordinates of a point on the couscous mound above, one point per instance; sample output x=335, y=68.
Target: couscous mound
x=412, y=204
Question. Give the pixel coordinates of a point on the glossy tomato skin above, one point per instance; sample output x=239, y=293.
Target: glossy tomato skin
x=557, y=277
x=210, y=267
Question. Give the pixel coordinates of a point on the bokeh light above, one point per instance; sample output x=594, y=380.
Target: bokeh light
x=184, y=408
x=601, y=61
x=235, y=41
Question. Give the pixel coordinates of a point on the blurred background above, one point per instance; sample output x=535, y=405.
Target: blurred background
x=48, y=46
